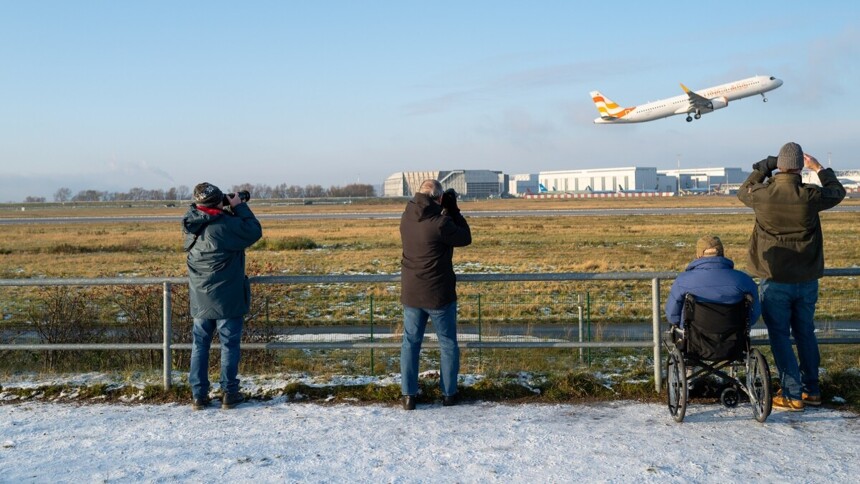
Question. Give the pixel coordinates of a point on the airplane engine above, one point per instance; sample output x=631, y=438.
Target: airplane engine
x=717, y=103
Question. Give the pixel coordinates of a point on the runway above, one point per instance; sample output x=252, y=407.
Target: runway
x=597, y=212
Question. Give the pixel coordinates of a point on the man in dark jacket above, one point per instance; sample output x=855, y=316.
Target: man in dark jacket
x=711, y=277
x=786, y=252
x=219, y=291
x=430, y=228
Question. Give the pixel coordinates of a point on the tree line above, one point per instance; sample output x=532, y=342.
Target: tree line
x=183, y=192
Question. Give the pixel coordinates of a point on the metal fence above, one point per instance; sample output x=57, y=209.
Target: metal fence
x=167, y=345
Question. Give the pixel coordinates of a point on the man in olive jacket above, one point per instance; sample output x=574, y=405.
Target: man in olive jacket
x=220, y=295
x=786, y=251
x=430, y=228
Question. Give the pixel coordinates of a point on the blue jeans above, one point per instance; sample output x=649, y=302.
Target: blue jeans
x=230, y=334
x=414, y=324
x=788, y=310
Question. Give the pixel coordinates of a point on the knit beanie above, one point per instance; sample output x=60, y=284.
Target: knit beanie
x=709, y=246
x=208, y=195
x=790, y=157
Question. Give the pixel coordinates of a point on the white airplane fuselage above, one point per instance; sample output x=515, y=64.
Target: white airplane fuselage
x=693, y=103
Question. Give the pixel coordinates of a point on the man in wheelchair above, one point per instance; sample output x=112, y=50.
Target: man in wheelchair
x=710, y=308
x=712, y=278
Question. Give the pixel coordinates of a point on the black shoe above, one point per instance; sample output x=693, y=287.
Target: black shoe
x=450, y=400
x=232, y=400
x=408, y=402
x=200, y=403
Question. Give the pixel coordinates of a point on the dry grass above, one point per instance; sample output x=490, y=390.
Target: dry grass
x=509, y=244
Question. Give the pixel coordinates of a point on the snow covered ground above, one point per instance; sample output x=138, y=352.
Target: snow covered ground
x=282, y=441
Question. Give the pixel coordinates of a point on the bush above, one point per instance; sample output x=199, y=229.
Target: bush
x=289, y=243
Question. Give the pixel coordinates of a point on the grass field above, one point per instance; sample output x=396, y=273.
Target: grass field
x=514, y=244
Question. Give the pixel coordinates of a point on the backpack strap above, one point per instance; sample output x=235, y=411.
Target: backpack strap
x=197, y=236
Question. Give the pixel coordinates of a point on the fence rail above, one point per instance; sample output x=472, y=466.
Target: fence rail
x=167, y=345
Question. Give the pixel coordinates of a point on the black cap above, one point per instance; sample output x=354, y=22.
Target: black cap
x=208, y=195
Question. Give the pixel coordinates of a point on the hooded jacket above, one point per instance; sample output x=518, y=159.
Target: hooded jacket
x=787, y=244
x=429, y=237
x=218, y=287
x=712, y=279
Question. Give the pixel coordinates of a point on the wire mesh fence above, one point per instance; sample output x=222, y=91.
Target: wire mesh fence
x=297, y=316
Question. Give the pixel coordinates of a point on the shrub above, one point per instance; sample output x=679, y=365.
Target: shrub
x=289, y=243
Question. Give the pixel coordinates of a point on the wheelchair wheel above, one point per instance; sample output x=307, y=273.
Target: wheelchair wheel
x=758, y=385
x=676, y=382
x=729, y=397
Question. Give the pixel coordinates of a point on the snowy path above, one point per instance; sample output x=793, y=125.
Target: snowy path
x=277, y=441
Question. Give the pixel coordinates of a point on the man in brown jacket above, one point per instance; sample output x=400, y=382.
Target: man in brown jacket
x=430, y=228
x=786, y=251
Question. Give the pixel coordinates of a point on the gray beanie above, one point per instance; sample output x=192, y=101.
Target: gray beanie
x=790, y=157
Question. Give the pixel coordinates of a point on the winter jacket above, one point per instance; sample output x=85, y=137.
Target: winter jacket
x=218, y=287
x=787, y=244
x=711, y=279
x=429, y=237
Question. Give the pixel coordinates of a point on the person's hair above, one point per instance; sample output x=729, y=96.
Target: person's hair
x=432, y=188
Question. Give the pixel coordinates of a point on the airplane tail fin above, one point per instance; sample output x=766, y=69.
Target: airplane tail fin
x=541, y=188
x=607, y=108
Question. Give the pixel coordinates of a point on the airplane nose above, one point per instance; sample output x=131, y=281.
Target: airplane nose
x=778, y=82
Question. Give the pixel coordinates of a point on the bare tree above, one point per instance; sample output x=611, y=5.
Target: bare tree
x=295, y=191
x=89, y=196
x=63, y=195
x=314, y=191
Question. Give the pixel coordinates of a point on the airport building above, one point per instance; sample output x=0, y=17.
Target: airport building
x=468, y=183
x=850, y=179
x=706, y=180
x=523, y=184
x=630, y=179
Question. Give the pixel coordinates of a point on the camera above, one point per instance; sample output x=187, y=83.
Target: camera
x=244, y=195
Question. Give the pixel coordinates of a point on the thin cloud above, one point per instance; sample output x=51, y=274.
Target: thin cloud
x=540, y=77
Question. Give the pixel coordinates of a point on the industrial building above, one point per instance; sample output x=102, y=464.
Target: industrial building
x=706, y=180
x=467, y=183
x=523, y=184
x=629, y=179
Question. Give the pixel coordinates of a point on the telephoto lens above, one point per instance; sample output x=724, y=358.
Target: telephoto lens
x=244, y=195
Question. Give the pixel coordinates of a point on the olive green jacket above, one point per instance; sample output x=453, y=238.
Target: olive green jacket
x=787, y=244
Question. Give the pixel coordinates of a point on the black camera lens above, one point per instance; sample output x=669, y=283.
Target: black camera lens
x=244, y=195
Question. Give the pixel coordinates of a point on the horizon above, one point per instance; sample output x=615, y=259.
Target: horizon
x=180, y=195
x=100, y=93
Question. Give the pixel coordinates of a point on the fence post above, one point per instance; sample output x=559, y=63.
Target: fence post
x=167, y=336
x=480, y=330
x=588, y=322
x=655, y=322
x=372, y=360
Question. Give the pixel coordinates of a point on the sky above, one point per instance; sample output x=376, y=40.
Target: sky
x=112, y=95
x=283, y=441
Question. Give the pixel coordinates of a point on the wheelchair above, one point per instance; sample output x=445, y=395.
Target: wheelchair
x=715, y=340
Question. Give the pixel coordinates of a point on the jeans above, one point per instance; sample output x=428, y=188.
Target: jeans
x=230, y=334
x=414, y=324
x=788, y=310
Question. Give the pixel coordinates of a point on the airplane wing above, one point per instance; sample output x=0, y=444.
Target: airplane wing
x=696, y=101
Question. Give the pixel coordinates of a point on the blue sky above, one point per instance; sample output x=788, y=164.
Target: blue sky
x=112, y=95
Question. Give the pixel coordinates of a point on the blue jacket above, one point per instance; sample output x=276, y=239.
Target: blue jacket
x=711, y=279
x=218, y=287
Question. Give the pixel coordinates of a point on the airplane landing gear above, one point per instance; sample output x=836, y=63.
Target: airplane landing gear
x=689, y=118
x=763, y=99
x=698, y=116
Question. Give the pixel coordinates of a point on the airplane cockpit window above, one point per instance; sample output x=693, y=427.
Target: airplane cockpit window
x=772, y=78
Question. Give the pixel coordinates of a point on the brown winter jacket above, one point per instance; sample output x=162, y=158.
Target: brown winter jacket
x=429, y=237
x=787, y=244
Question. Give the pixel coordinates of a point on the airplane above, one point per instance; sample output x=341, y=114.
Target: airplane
x=693, y=104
